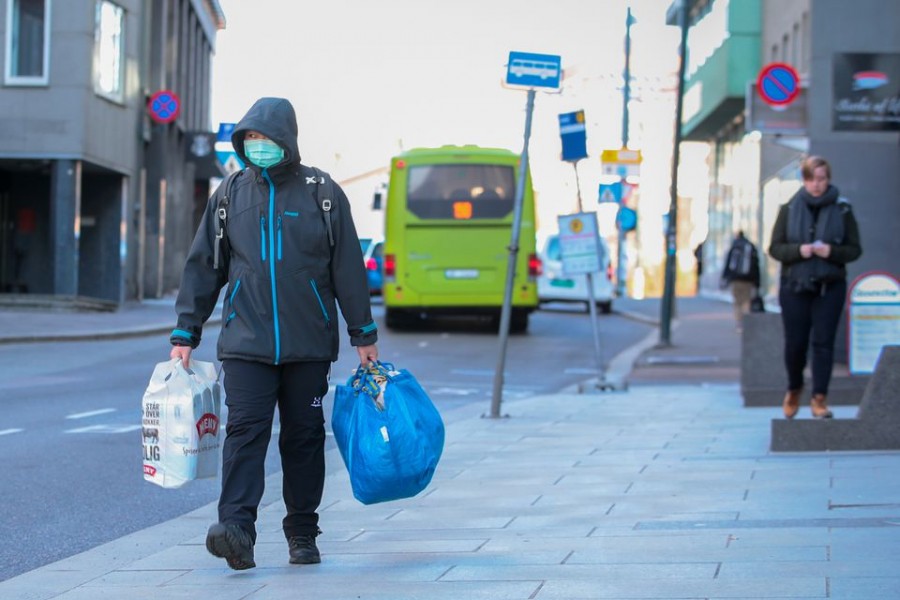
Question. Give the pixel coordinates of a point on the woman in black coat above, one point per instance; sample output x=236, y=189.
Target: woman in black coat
x=814, y=237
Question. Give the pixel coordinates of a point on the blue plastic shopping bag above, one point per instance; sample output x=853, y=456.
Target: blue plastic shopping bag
x=389, y=433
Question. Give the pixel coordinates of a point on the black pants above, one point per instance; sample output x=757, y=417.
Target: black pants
x=251, y=392
x=811, y=319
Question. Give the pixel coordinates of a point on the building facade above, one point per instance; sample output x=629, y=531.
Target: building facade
x=98, y=194
x=847, y=57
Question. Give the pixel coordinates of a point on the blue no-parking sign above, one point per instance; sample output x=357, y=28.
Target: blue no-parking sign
x=164, y=106
x=778, y=84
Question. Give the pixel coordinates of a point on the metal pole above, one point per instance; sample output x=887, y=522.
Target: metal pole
x=592, y=302
x=665, y=326
x=511, y=265
x=621, y=266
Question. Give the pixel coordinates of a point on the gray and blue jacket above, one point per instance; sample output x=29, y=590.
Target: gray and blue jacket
x=284, y=278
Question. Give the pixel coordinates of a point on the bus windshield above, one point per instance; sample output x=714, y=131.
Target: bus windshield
x=437, y=191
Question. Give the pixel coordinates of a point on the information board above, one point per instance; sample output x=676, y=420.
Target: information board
x=579, y=243
x=873, y=320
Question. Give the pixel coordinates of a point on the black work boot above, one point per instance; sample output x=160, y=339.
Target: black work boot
x=232, y=543
x=303, y=550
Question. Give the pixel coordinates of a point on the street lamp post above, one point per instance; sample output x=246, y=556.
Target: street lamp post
x=621, y=267
x=668, y=300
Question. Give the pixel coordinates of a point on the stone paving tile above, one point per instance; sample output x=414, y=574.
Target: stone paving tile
x=648, y=587
x=859, y=588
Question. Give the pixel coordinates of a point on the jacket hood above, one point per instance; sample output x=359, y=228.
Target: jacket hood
x=276, y=119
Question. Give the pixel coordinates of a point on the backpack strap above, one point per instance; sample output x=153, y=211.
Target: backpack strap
x=222, y=216
x=324, y=193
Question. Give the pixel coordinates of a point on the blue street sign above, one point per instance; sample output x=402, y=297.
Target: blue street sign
x=534, y=70
x=611, y=192
x=626, y=219
x=225, y=131
x=574, y=138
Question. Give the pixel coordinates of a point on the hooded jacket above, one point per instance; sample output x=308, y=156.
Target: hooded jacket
x=284, y=278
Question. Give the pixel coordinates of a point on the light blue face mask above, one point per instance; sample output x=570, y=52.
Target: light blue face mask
x=263, y=153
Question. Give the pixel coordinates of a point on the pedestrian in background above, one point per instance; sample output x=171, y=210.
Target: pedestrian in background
x=698, y=257
x=815, y=235
x=285, y=261
x=741, y=272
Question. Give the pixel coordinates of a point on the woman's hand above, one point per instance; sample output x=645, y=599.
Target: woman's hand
x=821, y=249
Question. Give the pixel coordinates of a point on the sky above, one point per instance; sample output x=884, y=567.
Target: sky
x=370, y=79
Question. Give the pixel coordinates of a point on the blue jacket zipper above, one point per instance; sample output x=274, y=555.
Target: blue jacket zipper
x=275, y=323
x=279, y=237
x=233, y=313
x=312, y=282
x=262, y=237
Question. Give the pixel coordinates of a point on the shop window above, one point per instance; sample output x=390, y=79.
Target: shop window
x=108, y=50
x=28, y=42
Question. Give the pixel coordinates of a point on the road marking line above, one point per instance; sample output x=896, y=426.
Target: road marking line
x=92, y=413
x=105, y=429
x=8, y=431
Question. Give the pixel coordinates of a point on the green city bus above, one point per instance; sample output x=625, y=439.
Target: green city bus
x=448, y=226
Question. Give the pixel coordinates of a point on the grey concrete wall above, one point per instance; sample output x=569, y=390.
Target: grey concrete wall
x=763, y=375
x=865, y=165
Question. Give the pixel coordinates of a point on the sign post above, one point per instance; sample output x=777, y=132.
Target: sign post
x=528, y=71
x=622, y=163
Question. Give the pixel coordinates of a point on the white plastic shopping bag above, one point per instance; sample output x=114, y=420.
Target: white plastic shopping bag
x=180, y=423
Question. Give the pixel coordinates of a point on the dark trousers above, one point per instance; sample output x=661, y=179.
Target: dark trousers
x=252, y=391
x=810, y=320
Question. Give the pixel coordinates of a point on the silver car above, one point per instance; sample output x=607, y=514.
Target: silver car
x=555, y=286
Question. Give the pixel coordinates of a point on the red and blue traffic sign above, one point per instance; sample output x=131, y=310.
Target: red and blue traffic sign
x=778, y=84
x=164, y=106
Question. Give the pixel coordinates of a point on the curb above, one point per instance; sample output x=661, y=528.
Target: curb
x=96, y=335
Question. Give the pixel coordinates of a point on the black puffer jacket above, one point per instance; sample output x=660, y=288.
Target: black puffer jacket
x=284, y=277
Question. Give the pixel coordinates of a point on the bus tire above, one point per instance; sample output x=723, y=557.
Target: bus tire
x=394, y=319
x=518, y=322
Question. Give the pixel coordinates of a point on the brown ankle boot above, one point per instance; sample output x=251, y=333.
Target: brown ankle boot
x=791, y=403
x=819, y=407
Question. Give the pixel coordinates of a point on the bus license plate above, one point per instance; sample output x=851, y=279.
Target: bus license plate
x=461, y=273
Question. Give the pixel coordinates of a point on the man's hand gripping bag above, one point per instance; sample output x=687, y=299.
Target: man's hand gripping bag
x=389, y=433
x=180, y=423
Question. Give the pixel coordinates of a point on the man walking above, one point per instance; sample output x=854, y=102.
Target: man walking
x=742, y=274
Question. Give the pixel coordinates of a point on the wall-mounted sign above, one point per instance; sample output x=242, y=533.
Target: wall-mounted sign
x=790, y=119
x=164, y=106
x=778, y=84
x=873, y=319
x=866, y=96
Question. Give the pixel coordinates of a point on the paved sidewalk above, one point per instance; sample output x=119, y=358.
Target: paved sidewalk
x=658, y=492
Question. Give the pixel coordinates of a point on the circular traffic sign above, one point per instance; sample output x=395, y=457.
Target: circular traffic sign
x=778, y=84
x=164, y=106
